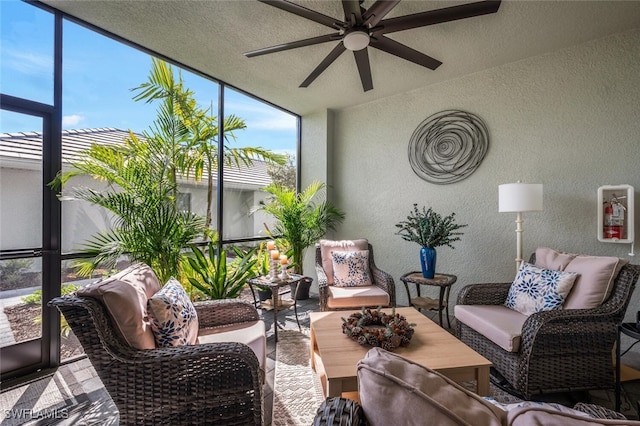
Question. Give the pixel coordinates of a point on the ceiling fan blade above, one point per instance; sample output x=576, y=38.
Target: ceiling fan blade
x=438, y=16
x=362, y=61
x=377, y=11
x=352, y=7
x=332, y=56
x=305, y=13
x=398, y=49
x=294, y=45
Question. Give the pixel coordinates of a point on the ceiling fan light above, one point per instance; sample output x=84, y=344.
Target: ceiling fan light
x=356, y=40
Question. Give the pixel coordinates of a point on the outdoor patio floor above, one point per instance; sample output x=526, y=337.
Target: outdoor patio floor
x=94, y=406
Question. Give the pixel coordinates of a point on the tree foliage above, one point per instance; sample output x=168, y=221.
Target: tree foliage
x=147, y=226
x=301, y=218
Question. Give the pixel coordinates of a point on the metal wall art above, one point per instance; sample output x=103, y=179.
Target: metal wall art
x=448, y=146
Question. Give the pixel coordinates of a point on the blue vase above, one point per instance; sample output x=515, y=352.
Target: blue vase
x=428, y=261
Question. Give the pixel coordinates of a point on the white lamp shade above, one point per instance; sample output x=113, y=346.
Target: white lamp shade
x=520, y=197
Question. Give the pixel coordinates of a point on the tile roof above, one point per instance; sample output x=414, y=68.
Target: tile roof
x=23, y=147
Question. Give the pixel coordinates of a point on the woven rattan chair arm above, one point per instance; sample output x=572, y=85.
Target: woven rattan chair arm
x=567, y=321
x=566, y=318
x=566, y=332
x=233, y=351
x=382, y=279
x=598, y=411
x=483, y=294
x=339, y=412
x=215, y=313
x=322, y=277
x=323, y=283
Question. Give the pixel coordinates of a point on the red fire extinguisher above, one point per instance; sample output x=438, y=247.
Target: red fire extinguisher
x=613, y=219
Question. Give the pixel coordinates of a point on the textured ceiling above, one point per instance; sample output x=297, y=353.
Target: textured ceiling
x=211, y=36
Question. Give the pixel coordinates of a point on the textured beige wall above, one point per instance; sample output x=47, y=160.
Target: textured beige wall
x=316, y=158
x=568, y=119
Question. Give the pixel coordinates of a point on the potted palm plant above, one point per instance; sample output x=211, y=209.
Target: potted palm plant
x=301, y=220
x=430, y=230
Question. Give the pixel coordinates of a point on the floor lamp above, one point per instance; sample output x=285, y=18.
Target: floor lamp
x=519, y=197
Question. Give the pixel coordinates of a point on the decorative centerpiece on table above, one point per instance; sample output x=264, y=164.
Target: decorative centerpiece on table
x=430, y=230
x=376, y=328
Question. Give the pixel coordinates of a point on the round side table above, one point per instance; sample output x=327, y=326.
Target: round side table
x=443, y=281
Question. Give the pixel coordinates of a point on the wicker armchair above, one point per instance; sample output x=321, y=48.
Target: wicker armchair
x=560, y=350
x=219, y=383
x=379, y=279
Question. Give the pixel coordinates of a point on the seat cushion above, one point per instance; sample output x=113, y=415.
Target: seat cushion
x=355, y=297
x=351, y=268
x=394, y=390
x=174, y=320
x=125, y=296
x=538, y=289
x=250, y=333
x=501, y=325
x=327, y=246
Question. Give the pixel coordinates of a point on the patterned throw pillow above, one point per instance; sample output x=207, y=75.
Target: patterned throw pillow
x=538, y=289
x=174, y=321
x=351, y=268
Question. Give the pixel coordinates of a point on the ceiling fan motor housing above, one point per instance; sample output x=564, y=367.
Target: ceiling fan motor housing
x=356, y=40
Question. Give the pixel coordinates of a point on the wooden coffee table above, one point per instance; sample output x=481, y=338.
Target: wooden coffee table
x=336, y=356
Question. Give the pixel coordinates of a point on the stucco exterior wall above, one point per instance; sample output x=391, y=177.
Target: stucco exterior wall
x=21, y=222
x=568, y=119
x=16, y=183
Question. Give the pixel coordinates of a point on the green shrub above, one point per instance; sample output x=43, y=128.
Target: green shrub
x=12, y=272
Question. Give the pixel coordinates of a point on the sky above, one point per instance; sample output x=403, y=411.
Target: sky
x=98, y=77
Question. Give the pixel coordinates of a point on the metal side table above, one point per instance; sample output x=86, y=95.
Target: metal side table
x=443, y=281
x=276, y=303
x=628, y=329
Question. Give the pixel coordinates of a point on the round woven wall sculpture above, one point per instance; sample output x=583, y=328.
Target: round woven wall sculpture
x=448, y=146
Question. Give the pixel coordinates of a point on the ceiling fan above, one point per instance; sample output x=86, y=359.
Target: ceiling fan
x=366, y=27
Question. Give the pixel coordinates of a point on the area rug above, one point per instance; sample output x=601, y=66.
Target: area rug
x=297, y=392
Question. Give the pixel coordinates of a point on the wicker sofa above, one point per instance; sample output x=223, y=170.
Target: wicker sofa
x=393, y=390
x=219, y=383
x=382, y=290
x=559, y=350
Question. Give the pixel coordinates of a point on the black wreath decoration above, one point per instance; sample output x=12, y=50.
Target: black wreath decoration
x=448, y=146
x=388, y=331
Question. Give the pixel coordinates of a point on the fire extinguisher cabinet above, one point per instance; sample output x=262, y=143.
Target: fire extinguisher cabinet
x=615, y=214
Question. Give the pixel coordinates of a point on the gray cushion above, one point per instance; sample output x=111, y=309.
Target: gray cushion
x=532, y=416
x=501, y=325
x=396, y=391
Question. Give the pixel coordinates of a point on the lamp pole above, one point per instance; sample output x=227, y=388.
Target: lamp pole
x=519, y=259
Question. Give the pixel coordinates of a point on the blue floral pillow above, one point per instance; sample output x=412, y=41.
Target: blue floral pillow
x=538, y=289
x=173, y=318
x=351, y=268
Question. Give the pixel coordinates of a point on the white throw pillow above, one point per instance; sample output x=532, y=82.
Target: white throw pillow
x=538, y=289
x=351, y=268
x=174, y=320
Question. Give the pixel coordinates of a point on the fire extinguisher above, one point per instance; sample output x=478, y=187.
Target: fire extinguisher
x=613, y=219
